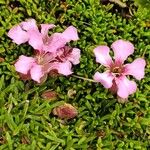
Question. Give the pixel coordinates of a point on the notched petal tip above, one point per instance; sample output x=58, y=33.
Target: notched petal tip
x=75, y=56
x=46, y=27
x=122, y=49
x=104, y=78
x=64, y=68
x=125, y=87
x=24, y=64
x=29, y=24
x=70, y=34
x=136, y=68
x=102, y=55
x=18, y=35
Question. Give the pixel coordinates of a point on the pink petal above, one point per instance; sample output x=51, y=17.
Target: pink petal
x=24, y=64
x=70, y=34
x=35, y=39
x=104, y=78
x=18, y=35
x=136, y=68
x=122, y=49
x=55, y=42
x=125, y=87
x=64, y=68
x=30, y=24
x=48, y=57
x=102, y=55
x=75, y=56
x=36, y=73
x=59, y=40
x=45, y=28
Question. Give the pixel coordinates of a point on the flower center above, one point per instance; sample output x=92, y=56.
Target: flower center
x=39, y=59
x=44, y=58
x=117, y=70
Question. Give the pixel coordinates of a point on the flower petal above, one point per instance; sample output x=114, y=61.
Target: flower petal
x=36, y=73
x=45, y=28
x=55, y=42
x=104, y=78
x=75, y=56
x=24, y=64
x=18, y=35
x=63, y=68
x=59, y=40
x=30, y=24
x=102, y=55
x=35, y=39
x=122, y=49
x=136, y=68
x=70, y=34
x=125, y=87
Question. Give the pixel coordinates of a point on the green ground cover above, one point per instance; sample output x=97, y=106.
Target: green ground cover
x=26, y=121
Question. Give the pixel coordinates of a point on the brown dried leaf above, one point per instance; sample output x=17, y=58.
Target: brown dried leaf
x=2, y=59
x=25, y=140
x=24, y=76
x=66, y=111
x=50, y=95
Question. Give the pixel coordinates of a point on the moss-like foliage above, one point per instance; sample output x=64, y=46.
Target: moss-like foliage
x=26, y=121
x=143, y=8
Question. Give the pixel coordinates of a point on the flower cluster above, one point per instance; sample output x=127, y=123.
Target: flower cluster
x=114, y=78
x=51, y=52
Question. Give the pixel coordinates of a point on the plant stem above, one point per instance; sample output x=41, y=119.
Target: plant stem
x=87, y=79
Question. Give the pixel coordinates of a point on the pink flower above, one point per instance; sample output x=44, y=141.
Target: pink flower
x=19, y=34
x=51, y=51
x=29, y=66
x=43, y=42
x=40, y=40
x=64, y=59
x=28, y=31
x=38, y=67
x=114, y=78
